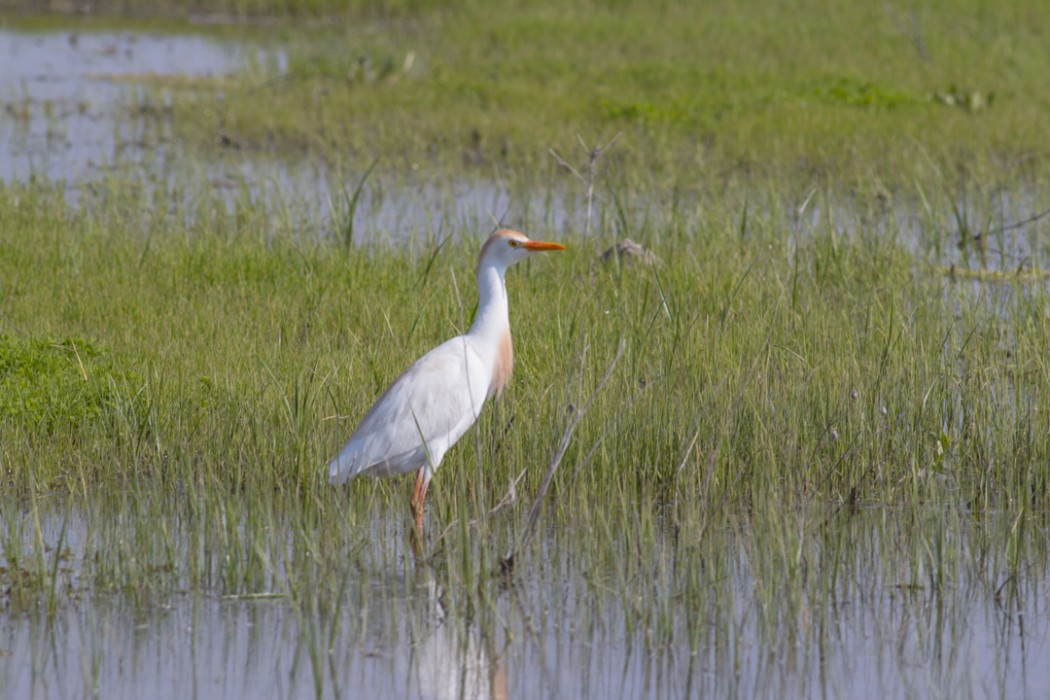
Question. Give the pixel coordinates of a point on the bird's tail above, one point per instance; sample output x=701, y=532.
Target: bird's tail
x=340, y=468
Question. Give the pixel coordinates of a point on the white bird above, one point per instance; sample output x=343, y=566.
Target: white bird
x=436, y=400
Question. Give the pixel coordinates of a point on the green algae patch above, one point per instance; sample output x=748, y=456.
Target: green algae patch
x=45, y=383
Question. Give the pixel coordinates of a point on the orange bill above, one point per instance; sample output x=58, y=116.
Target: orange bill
x=542, y=245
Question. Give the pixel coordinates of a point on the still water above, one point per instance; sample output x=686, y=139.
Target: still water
x=66, y=96
x=869, y=615
x=89, y=108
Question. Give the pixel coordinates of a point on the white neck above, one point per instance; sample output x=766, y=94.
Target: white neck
x=493, y=318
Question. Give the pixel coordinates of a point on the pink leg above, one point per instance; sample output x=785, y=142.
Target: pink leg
x=419, y=495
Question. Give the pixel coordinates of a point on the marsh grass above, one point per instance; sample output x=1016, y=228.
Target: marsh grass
x=811, y=92
x=789, y=379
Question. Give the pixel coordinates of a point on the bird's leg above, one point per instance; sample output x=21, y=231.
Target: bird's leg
x=419, y=495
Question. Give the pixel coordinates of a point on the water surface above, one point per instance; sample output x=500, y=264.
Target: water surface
x=871, y=620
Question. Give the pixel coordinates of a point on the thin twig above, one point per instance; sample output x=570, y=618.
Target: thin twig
x=7, y=319
x=1010, y=227
x=562, y=162
x=563, y=446
x=592, y=171
x=593, y=156
x=913, y=33
x=509, y=498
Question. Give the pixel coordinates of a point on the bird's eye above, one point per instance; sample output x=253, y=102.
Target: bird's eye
x=513, y=243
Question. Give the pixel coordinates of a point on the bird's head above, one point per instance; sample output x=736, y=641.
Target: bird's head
x=506, y=247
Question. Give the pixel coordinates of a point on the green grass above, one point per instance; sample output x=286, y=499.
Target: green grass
x=810, y=93
x=802, y=414
x=764, y=373
x=814, y=92
x=45, y=383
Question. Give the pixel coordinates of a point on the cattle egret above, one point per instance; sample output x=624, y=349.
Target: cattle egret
x=433, y=403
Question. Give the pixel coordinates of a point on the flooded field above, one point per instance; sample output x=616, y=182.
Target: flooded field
x=89, y=109
x=837, y=488
x=68, y=97
x=866, y=612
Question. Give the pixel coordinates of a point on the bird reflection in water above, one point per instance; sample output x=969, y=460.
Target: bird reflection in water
x=452, y=659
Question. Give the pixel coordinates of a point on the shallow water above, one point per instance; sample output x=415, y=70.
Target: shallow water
x=65, y=97
x=69, y=113
x=880, y=625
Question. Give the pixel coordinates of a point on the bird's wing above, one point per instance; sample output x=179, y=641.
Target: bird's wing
x=423, y=412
